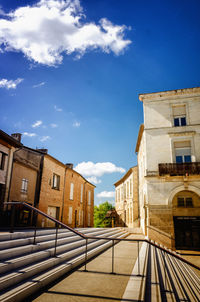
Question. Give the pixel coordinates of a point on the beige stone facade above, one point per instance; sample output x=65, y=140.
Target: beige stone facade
x=7, y=147
x=126, y=198
x=168, y=149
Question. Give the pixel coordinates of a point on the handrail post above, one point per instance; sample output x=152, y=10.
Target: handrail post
x=56, y=239
x=138, y=248
x=165, y=272
x=86, y=244
x=35, y=230
x=112, y=256
x=12, y=219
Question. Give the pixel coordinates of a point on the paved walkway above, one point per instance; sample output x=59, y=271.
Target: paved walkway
x=97, y=284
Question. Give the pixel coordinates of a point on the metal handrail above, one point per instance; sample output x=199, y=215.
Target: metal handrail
x=100, y=238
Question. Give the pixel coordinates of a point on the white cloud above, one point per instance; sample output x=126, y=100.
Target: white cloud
x=44, y=138
x=76, y=124
x=94, y=180
x=53, y=125
x=37, y=124
x=10, y=84
x=58, y=109
x=106, y=194
x=39, y=85
x=49, y=28
x=91, y=169
x=29, y=134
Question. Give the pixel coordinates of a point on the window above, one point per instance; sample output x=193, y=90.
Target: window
x=56, y=182
x=2, y=160
x=71, y=191
x=81, y=193
x=185, y=202
x=183, y=152
x=89, y=198
x=179, y=115
x=24, y=188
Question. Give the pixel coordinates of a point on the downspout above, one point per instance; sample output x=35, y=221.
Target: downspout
x=63, y=199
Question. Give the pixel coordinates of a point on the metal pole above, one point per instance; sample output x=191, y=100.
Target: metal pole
x=138, y=258
x=165, y=272
x=86, y=243
x=112, y=256
x=34, y=241
x=56, y=239
x=12, y=219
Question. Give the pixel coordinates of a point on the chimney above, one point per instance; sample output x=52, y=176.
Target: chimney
x=69, y=166
x=43, y=150
x=17, y=136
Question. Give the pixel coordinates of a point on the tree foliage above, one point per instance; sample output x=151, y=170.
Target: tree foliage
x=100, y=212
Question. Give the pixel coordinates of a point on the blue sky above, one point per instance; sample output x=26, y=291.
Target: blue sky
x=71, y=72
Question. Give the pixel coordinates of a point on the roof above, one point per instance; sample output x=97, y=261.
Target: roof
x=141, y=130
x=128, y=173
x=185, y=92
x=9, y=139
x=81, y=176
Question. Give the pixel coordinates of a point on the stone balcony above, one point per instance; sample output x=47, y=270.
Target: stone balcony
x=178, y=169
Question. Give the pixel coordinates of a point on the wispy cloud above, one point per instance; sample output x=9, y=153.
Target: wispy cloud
x=97, y=169
x=44, y=138
x=47, y=29
x=37, y=124
x=106, y=194
x=10, y=84
x=76, y=124
x=58, y=109
x=53, y=125
x=94, y=180
x=29, y=134
x=39, y=85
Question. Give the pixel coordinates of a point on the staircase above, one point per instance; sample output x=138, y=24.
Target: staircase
x=27, y=266
x=162, y=277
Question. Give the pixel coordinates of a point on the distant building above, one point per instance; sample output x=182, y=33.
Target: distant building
x=78, y=208
x=168, y=149
x=35, y=177
x=65, y=195
x=126, y=198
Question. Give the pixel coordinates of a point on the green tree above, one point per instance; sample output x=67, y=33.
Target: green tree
x=100, y=212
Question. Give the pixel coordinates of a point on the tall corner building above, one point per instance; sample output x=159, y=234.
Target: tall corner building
x=168, y=150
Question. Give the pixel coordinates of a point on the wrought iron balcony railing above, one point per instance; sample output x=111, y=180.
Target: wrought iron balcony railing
x=178, y=169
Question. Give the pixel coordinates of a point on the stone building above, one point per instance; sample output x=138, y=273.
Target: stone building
x=126, y=198
x=79, y=200
x=65, y=195
x=8, y=145
x=168, y=149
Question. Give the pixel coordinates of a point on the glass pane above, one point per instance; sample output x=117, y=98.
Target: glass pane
x=180, y=202
x=187, y=159
x=179, y=159
x=176, y=122
x=189, y=203
x=183, y=121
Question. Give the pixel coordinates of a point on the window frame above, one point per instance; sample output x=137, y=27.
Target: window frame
x=187, y=202
x=24, y=186
x=57, y=185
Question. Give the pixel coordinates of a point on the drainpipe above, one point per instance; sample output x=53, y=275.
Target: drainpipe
x=84, y=206
x=63, y=198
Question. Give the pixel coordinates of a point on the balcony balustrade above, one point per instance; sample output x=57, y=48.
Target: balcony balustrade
x=178, y=169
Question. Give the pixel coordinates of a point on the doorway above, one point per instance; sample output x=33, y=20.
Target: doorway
x=187, y=232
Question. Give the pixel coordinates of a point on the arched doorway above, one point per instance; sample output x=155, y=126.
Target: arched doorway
x=186, y=217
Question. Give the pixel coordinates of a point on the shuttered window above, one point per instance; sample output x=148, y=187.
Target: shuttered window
x=183, y=151
x=179, y=115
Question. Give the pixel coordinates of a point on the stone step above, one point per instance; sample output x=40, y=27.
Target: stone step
x=30, y=248
x=14, y=263
x=37, y=275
